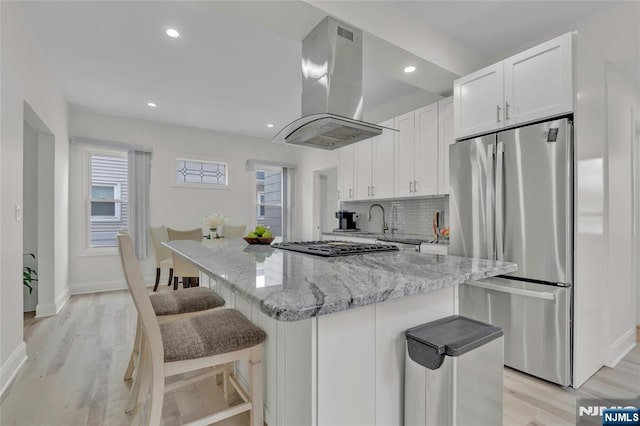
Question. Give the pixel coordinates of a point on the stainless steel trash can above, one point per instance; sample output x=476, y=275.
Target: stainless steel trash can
x=453, y=373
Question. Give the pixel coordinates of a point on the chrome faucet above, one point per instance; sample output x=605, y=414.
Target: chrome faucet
x=385, y=228
x=394, y=218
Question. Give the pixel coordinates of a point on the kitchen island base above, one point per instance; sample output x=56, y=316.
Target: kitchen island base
x=343, y=368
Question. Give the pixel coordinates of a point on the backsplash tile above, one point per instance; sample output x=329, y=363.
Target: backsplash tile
x=413, y=216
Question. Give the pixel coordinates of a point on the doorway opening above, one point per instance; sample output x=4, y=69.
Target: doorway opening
x=325, y=200
x=38, y=213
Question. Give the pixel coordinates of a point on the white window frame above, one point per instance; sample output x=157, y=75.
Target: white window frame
x=260, y=203
x=199, y=159
x=115, y=200
x=88, y=249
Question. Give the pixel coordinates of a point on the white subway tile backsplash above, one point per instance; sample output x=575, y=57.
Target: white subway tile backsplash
x=413, y=216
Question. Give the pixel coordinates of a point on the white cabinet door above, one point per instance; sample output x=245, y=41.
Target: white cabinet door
x=363, y=156
x=445, y=138
x=404, y=150
x=478, y=101
x=383, y=165
x=425, y=158
x=346, y=171
x=539, y=82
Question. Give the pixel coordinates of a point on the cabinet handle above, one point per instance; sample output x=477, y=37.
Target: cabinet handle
x=350, y=193
x=372, y=194
x=497, y=113
x=410, y=186
x=368, y=190
x=338, y=194
x=506, y=110
x=415, y=186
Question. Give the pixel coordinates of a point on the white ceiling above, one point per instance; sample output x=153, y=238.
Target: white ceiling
x=236, y=66
x=494, y=28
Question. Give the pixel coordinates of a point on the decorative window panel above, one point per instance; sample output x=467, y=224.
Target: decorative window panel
x=201, y=172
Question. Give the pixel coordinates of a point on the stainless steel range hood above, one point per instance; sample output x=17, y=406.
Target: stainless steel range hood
x=331, y=90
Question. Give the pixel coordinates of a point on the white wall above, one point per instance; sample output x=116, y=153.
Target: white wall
x=26, y=79
x=173, y=206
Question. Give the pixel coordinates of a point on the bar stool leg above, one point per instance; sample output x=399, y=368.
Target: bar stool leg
x=170, y=276
x=255, y=387
x=155, y=286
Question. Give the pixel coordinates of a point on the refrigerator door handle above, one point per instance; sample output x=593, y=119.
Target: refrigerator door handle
x=491, y=240
x=499, y=217
x=512, y=290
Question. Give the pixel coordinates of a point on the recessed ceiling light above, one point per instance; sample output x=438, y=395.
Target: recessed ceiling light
x=172, y=32
x=410, y=68
x=151, y=104
x=269, y=125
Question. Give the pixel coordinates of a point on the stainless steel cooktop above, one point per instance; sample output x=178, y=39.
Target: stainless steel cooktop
x=334, y=248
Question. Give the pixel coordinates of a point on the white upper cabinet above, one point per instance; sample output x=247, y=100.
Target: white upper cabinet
x=382, y=174
x=404, y=153
x=416, y=152
x=478, y=101
x=538, y=83
x=445, y=138
x=532, y=85
x=362, y=165
x=346, y=189
x=425, y=180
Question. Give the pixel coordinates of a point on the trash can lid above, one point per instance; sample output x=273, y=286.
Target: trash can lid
x=452, y=336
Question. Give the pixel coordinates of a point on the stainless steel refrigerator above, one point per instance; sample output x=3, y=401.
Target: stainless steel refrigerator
x=511, y=198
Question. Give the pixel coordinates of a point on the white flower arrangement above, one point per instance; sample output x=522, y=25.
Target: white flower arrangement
x=214, y=220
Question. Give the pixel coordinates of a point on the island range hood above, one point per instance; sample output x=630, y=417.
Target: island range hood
x=331, y=90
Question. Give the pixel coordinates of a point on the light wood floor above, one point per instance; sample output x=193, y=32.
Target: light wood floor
x=76, y=360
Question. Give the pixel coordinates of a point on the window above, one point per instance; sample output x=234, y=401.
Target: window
x=104, y=207
x=269, y=200
x=260, y=205
x=108, y=173
x=200, y=172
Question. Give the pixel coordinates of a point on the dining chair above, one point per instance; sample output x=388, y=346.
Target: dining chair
x=181, y=267
x=159, y=234
x=229, y=231
x=184, y=345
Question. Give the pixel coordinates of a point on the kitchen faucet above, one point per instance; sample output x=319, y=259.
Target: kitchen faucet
x=385, y=228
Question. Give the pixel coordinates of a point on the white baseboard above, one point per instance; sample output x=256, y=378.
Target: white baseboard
x=11, y=367
x=620, y=348
x=49, y=309
x=102, y=286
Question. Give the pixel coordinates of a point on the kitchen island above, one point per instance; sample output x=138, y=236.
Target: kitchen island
x=335, y=326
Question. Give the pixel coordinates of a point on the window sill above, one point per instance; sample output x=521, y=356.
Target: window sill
x=98, y=251
x=201, y=186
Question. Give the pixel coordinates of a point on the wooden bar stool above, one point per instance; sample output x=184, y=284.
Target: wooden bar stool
x=212, y=338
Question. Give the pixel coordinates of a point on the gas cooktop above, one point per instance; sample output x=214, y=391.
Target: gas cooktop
x=334, y=248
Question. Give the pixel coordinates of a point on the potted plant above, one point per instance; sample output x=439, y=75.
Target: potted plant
x=29, y=274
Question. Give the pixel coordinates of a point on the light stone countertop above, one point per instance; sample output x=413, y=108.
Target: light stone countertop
x=290, y=286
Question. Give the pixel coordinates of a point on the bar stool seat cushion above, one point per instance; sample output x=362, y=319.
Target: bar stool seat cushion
x=187, y=300
x=210, y=333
